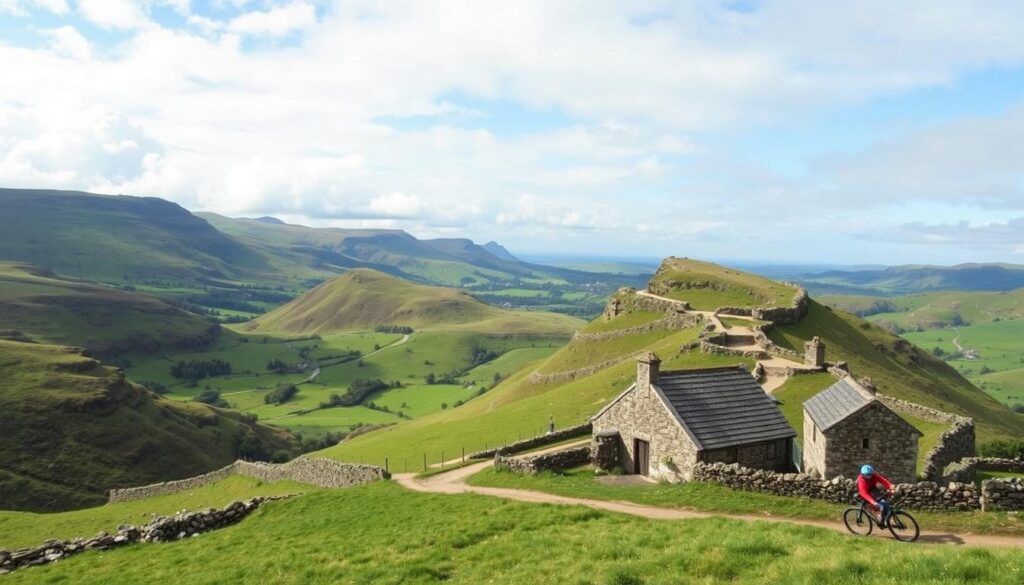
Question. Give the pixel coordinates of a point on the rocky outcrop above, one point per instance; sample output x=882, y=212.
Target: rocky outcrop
x=314, y=471
x=557, y=460
x=159, y=529
x=534, y=442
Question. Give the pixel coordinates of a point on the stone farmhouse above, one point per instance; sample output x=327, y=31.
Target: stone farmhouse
x=846, y=426
x=667, y=422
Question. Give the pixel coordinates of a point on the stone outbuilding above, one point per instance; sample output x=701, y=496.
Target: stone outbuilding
x=846, y=426
x=666, y=422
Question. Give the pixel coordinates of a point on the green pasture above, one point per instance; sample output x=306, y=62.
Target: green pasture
x=21, y=529
x=382, y=533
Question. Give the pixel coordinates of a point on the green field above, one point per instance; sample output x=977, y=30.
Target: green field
x=384, y=534
x=21, y=529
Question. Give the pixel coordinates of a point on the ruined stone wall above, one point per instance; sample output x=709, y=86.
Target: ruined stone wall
x=314, y=471
x=555, y=461
x=160, y=529
x=954, y=444
x=891, y=445
x=534, y=442
x=967, y=469
x=671, y=321
x=913, y=496
x=709, y=346
x=642, y=415
x=785, y=315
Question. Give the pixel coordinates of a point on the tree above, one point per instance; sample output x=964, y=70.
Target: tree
x=430, y=378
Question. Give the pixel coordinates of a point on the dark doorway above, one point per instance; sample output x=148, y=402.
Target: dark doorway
x=641, y=457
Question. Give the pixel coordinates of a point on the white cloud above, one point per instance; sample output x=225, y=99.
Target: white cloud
x=276, y=22
x=22, y=7
x=396, y=205
x=66, y=40
x=112, y=14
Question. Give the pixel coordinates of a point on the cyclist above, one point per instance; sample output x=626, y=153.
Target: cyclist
x=867, y=482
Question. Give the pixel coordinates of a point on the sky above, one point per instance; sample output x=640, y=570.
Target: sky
x=817, y=132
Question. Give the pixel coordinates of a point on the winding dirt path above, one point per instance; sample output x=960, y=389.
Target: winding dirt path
x=454, y=482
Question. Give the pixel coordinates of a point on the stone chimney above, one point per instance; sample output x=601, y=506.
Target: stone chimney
x=814, y=352
x=648, y=366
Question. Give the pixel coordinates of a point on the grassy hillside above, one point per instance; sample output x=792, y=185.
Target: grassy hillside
x=708, y=286
x=116, y=238
x=365, y=298
x=987, y=326
x=21, y=529
x=522, y=404
x=899, y=368
x=382, y=533
x=72, y=429
x=105, y=320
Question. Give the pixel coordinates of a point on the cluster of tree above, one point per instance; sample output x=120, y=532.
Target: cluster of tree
x=277, y=365
x=154, y=386
x=309, y=444
x=359, y=390
x=281, y=394
x=481, y=355
x=403, y=329
x=199, y=369
x=447, y=378
x=211, y=397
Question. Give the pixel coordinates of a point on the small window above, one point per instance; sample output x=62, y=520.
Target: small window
x=771, y=451
x=865, y=443
x=814, y=434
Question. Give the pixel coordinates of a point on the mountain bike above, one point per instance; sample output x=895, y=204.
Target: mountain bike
x=861, y=521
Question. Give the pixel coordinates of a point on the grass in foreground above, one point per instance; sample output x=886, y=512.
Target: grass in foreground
x=384, y=534
x=706, y=497
x=21, y=529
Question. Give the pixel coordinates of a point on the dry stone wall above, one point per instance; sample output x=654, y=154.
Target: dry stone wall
x=314, y=471
x=534, y=442
x=546, y=462
x=1003, y=494
x=913, y=496
x=160, y=529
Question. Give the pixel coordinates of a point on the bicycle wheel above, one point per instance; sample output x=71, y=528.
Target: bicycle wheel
x=858, y=522
x=903, y=527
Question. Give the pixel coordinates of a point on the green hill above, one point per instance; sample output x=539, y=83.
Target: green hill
x=917, y=278
x=522, y=404
x=708, y=286
x=105, y=320
x=978, y=333
x=73, y=429
x=363, y=298
x=117, y=238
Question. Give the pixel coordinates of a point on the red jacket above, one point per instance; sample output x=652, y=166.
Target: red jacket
x=866, y=484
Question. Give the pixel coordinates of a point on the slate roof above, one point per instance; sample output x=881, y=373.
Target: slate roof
x=836, y=403
x=723, y=407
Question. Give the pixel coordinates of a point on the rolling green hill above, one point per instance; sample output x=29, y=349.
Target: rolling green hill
x=978, y=333
x=522, y=404
x=364, y=298
x=73, y=429
x=105, y=320
x=917, y=278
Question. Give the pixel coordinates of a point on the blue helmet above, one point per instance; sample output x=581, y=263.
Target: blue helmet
x=867, y=470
